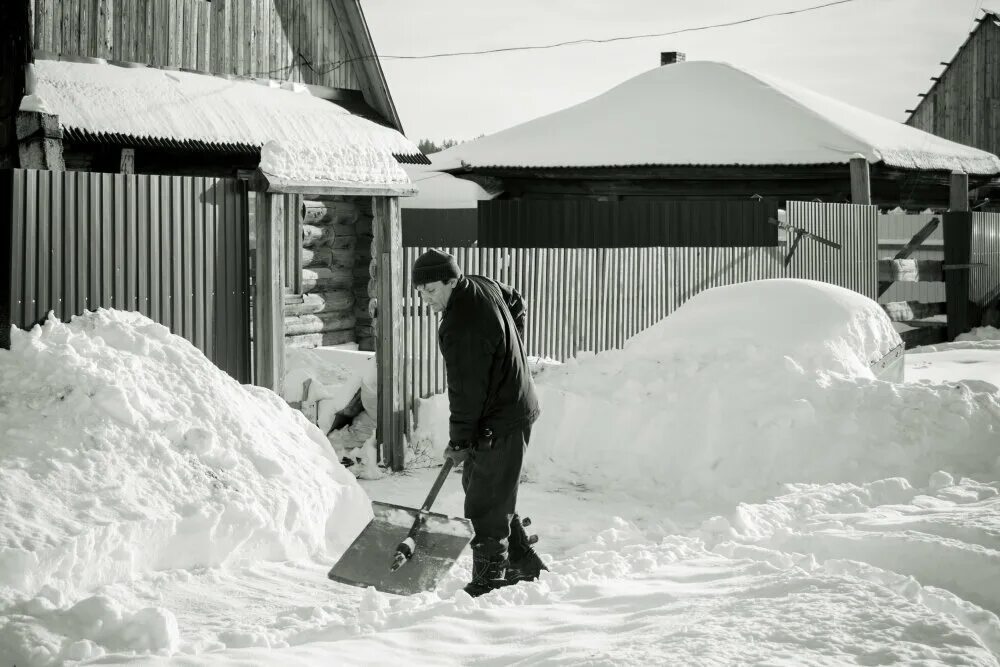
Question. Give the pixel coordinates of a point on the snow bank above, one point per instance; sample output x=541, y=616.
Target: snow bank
x=123, y=450
x=746, y=388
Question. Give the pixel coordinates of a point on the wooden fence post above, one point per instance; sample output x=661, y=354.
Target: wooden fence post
x=861, y=187
x=269, y=318
x=959, y=193
x=8, y=218
x=957, y=253
x=389, y=328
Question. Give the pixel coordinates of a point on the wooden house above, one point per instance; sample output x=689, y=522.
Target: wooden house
x=708, y=131
x=165, y=109
x=963, y=102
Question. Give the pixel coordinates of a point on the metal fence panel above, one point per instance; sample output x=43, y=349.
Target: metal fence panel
x=855, y=227
x=80, y=241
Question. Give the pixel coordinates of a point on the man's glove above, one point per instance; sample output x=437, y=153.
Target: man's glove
x=457, y=451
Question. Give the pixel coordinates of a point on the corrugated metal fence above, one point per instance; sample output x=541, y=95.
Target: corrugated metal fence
x=597, y=298
x=171, y=247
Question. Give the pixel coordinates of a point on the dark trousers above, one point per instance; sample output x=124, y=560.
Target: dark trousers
x=490, y=479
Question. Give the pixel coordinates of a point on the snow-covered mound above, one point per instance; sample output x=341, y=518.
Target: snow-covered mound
x=123, y=450
x=747, y=388
x=821, y=327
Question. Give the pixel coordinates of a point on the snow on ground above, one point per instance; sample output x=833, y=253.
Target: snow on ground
x=126, y=453
x=705, y=496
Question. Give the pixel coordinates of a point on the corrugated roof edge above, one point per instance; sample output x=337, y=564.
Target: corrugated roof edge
x=78, y=135
x=467, y=168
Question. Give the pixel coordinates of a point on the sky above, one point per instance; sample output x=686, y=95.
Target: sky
x=876, y=54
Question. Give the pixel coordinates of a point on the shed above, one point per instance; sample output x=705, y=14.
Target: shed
x=963, y=101
x=701, y=129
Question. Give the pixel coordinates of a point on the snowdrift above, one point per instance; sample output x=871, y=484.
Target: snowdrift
x=123, y=450
x=745, y=389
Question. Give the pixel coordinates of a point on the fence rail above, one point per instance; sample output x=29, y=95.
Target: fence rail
x=173, y=248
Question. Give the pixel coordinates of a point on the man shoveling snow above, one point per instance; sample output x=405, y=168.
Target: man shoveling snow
x=493, y=406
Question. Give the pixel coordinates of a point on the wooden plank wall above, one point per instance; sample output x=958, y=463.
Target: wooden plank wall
x=293, y=40
x=174, y=248
x=964, y=105
x=586, y=223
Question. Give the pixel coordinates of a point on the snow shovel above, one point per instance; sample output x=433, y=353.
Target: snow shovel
x=403, y=550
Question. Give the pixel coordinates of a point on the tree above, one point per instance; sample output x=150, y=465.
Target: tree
x=427, y=146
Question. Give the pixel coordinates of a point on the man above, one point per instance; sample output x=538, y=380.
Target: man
x=493, y=406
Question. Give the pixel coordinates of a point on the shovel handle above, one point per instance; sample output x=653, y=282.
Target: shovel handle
x=438, y=483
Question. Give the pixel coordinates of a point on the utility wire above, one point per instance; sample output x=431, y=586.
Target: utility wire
x=327, y=67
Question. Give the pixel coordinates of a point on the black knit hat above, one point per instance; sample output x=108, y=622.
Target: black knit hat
x=435, y=265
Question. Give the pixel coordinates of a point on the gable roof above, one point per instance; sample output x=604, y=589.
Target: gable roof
x=170, y=107
x=710, y=114
x=361, y=48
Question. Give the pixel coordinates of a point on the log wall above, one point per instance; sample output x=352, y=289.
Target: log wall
x=324, y=311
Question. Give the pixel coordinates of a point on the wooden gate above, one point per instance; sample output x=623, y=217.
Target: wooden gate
x=173, y=248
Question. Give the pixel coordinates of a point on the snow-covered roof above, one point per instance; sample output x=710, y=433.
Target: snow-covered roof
x=712, y=114
x=439, y=189
x=184, y=108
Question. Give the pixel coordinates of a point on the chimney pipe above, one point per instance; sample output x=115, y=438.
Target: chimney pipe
x=671, y=57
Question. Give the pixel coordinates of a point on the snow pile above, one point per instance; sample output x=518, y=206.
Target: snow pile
x=125, y=451
x=319, y=140
x=713, y=113
x=746, y=388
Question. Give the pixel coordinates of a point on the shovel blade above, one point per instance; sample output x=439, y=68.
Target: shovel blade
x=439, y=542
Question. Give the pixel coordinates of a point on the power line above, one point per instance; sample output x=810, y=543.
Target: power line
x=327, y=67
x=622, y=38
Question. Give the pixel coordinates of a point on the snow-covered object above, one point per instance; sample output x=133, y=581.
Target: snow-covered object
x=742, y=390
x=123, y=450
x=713, y=113
x=325, y=140
x=815, y=325
x=440, y=189
x=34, y=103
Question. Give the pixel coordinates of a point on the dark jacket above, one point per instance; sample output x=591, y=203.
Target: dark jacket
x=481, y=338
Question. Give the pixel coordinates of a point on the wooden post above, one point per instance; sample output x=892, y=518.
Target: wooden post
x=269, y=333
x=7, y=221
x=39, y=141
x=15, y=54
x=126, y=164
x=389, y=327
x=959, y=196
x=957, y=252
x=861, y=186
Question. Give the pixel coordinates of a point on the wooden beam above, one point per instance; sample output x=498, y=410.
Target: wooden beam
x=269, y=318
x=262, y=182
x=910, y=270
x=959, y=192
x=389, y=327
x=861, y=185
x=905, y=311
x=918, y=239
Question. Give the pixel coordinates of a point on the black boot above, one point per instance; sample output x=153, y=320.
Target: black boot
x=524, y=565
x=488, y=572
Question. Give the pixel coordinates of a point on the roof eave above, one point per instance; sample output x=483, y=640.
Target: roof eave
x=262, y=181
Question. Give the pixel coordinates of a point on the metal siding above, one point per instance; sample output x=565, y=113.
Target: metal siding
x=984, y=276
x=893, y=232
x=43, y=297
x=29, y=298
x=56, y=245
x=855, y=227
